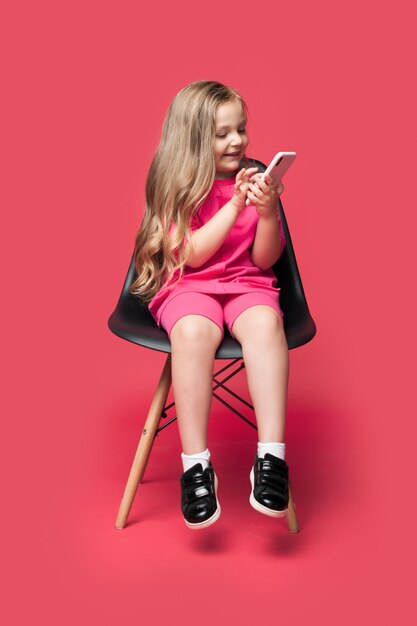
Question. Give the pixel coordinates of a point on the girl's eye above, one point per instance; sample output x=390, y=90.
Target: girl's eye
x=242, y=130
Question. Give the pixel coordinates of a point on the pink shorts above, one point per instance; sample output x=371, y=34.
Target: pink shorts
x=220, y=308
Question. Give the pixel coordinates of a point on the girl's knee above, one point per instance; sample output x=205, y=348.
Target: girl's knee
x=196, y=329
x=257, y=322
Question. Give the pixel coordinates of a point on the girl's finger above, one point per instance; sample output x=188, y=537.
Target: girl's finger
x=255, y=190
x=249, y=172
x=264, y=186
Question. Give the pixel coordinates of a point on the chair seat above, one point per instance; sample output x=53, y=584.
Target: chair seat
x=136, y=324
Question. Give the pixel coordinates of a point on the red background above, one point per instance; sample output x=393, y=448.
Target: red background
x=86, y=87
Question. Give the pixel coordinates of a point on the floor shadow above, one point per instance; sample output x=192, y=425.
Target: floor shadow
x=212, y=540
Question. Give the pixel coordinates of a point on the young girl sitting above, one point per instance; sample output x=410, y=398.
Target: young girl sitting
x=204, y=255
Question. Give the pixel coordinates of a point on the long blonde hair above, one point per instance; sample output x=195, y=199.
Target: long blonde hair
x=180, y=177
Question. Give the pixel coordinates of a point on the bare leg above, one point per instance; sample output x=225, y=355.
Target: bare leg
x=194, y=341
x=260, y=332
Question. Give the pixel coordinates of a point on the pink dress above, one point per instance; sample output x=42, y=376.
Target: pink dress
x=230, y=269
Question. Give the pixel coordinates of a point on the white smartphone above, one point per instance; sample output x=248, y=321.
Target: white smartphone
x=279, y=165
x=277, y=168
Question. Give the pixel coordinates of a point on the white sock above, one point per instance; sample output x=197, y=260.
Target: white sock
x=271, y=447
x=188, y=460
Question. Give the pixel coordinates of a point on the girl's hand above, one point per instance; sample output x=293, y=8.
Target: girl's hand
x=241, y=187
x=264, y=194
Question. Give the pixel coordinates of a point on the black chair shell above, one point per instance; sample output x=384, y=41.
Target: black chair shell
x=132, y=320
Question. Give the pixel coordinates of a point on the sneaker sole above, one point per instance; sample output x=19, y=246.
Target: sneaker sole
x=261, y=508
x=211, y=519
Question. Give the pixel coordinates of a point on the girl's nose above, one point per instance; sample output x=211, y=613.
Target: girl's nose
x=236, y=139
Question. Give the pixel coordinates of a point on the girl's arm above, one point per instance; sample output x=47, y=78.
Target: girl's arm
x=269, y=240
x=208, y=239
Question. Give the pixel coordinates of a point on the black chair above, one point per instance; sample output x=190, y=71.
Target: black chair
x=132, y=321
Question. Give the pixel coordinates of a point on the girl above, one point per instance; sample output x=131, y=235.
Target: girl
x=204, y=252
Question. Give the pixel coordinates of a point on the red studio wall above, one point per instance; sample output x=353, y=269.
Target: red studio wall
x=86, y=88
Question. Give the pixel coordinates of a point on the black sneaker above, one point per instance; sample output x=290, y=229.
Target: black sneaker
x=199, y=503
x=269, y=480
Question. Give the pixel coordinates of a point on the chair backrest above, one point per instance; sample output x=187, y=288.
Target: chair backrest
x=132, y=320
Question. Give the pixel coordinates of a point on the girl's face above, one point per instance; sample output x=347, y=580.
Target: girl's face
x=230, y=138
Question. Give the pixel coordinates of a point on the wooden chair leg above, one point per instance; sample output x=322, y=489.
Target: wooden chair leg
x=291, y=515
x=145, y=444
